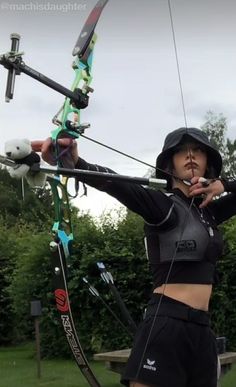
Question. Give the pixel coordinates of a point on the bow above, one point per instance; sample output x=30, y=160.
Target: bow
x=62, y=229
x=76, y=99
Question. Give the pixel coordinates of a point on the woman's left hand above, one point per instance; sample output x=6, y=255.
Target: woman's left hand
x=207, y=187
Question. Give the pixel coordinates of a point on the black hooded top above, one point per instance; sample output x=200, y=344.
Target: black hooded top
x=162, y=215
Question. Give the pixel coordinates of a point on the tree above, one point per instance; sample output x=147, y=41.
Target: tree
x=7, y=258
x=18, y=215
x=223, y=304
x=35, y=207
x=216, y=128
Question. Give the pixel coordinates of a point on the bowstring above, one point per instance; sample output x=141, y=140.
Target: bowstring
x=190, y=205
x=177, y=63
x=179, y=77
x=134, y=158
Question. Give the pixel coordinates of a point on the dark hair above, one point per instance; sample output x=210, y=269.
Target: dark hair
x=210, y=171
x=168, y=167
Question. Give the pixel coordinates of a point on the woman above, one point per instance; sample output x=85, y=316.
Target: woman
x=174, y=345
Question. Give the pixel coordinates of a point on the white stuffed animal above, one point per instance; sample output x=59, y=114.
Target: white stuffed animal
x=20, y=151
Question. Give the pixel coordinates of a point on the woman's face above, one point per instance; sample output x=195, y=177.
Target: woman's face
x=190, y=159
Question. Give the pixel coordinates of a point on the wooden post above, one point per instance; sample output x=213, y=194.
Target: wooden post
x=36, y=311
x=37, y=337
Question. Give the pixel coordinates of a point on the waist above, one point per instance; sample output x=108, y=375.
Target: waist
x=161, y=305
x=195, y=295
x=203, y=273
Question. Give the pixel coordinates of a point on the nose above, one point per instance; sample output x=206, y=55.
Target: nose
x=8, y=154
x=190, y=153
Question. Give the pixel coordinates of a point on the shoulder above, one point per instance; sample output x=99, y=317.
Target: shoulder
x=166, y=207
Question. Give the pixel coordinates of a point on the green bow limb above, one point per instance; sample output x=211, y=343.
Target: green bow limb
x=82, y=81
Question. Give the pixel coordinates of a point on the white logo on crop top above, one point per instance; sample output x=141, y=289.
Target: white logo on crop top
x=150, y=365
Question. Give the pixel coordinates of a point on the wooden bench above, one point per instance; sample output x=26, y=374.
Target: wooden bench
x=116, y=360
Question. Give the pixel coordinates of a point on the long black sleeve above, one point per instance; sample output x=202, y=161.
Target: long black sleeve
x=154, y=206
x=225, y=207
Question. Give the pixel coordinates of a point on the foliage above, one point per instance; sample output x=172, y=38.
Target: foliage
x=223, y=304
x=32, y=206
x=120, y=247
x=21, y=220
x=7, y=256
x=216, y=128
x=224, y=297
x=117, y=244
x=30, y=280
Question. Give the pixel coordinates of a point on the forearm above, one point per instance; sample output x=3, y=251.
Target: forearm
x=225, y=207
x=152, y=205
x=229, y=185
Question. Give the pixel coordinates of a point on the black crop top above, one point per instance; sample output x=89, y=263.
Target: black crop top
x=190, y=246
x=192, y=262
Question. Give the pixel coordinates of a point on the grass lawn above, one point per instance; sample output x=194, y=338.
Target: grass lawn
x=18, y=369
x=229, y=380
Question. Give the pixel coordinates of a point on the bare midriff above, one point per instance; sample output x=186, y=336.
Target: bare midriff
x=195, y=295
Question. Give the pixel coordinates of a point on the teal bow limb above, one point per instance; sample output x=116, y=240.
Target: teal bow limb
x=62, y=228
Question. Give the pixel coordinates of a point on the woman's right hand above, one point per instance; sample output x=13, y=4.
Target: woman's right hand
x=46, y=147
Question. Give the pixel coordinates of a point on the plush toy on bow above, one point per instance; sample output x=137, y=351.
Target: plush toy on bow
x=20, y=151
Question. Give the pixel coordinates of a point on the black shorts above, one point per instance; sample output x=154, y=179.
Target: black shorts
x=180, y=351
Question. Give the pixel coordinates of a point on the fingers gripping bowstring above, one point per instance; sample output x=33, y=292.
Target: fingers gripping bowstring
x=189, y=208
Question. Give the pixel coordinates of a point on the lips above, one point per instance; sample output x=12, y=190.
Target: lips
x=191, y=165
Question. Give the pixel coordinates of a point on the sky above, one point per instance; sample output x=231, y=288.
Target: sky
x=137, y=99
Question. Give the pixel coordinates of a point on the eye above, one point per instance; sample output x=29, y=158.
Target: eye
x=17, y=147
x=200, y=149
x=179, y=148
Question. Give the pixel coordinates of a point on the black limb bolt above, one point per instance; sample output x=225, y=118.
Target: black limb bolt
x=70, y=125
x=81, y=100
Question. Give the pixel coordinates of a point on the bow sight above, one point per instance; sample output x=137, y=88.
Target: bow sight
x=13, y=62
